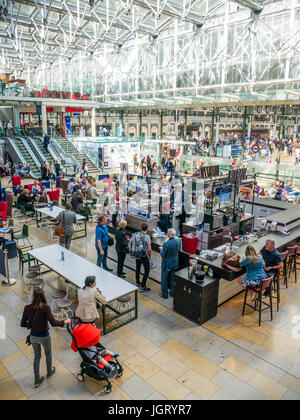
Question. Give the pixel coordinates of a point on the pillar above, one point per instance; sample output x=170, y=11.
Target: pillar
x=176, y=123
x=140, y=124
x=121, y=123
x=281, y=135
x=16, y=116
x=185, y=124
x=295, y=133
x=211, y=142
x=244, y=132
x=161, y=124
x=44, y=119
x=93, y=120
x=217, y=125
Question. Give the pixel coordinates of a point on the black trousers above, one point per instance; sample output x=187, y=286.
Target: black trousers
x=146, y=264
x=121, y=260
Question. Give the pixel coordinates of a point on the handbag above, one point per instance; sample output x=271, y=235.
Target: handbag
x=110, y=241
x=60, y=230
x=231, y=261
x=28, y=342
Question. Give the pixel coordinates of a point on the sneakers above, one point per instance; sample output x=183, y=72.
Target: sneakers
x=115, y=356
x=40, y=381
x=162, y=296
x=145, y=289
x=110, y=270
x=52, y=372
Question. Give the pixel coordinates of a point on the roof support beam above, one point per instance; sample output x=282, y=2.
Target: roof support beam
x=256, y=6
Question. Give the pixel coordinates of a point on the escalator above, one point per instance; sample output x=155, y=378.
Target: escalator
x=40, y=145
x=28, y=157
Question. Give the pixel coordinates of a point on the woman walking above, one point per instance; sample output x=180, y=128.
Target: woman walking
x=36, y=317
x=121, y=247
x=88, y=299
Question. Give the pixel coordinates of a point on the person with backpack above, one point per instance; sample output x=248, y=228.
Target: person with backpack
x=140, y=249
x=102, y=239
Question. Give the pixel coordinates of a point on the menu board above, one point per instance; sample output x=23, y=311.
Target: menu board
x=223, y=194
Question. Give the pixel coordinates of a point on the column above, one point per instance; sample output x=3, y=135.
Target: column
x=44, y=119
x=281, y=135
x=176, y=123
x=161, y=124
x=121, y=123
x=16, y=116
x=93, y=121
x=185, y=124
x=217, y=125
x=140, y=124
x=211, y=142
x=249, y=126
x=244, y=132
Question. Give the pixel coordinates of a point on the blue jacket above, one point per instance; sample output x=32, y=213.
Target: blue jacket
x=170, y=254
x=254, y=271
x=102, y=235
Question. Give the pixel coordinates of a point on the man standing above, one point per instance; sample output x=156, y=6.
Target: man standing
x=272, y=260
x=46, y=143
x=102, y=242
x=143, y=248
x=170, y=263
x=67, y=218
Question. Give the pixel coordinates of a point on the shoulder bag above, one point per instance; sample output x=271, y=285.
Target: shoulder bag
x=60, y=230
x=28, y=342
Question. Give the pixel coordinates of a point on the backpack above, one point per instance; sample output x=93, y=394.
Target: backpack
x=137, y=246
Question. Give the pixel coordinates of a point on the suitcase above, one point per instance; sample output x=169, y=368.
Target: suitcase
x=11, y=248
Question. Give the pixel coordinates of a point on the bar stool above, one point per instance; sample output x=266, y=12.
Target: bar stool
x=265, y=284
x=292, y=261
x=35, y=282
x=123, y=302
x=284, y=256
x=276, y=288
x=64, y=305
x=57, y=294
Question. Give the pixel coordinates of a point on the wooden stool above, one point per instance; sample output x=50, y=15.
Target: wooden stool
x=292, y=261
x=265, y=284
x=64, y=305
x=276, y=288
x=284, y=256
x=57, y=294
x=33, y=283
x=123, y=301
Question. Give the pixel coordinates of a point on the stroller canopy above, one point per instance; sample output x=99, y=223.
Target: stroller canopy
x=84, y=336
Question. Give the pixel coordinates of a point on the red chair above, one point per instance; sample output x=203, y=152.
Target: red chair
x=29, y=187
x=16, y=180
x=265, y=284
x=54, y=195
x=3, y=210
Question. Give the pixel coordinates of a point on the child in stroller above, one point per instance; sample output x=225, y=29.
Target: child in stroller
x=97, y=362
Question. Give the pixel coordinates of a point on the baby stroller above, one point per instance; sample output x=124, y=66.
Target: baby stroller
x=84, y=337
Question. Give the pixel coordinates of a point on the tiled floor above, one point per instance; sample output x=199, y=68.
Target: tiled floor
x=164, y=355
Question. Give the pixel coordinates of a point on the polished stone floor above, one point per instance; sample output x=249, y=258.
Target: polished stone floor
x=164, y=355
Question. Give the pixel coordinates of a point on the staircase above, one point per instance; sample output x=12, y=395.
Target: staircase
x=68, y=147
x=34, y=169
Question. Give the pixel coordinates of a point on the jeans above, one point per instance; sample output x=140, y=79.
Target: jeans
x=37, y=342
x=167, y=282
x=121, y=260
x=146, y=264
x=65, y=241
x=102, y=259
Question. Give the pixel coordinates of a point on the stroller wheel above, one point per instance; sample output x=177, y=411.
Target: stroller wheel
x=120, y=372
x=80, y=377
x=107, y=389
